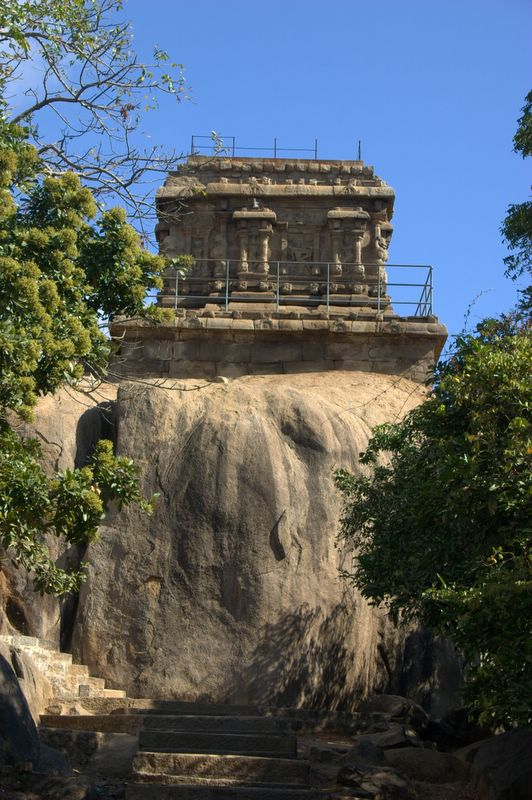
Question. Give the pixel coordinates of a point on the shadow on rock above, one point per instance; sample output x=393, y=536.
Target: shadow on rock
x=303, y=659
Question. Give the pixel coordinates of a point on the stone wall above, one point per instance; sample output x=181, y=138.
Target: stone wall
x=202, y=346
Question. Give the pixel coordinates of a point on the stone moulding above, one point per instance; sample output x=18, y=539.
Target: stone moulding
x=203, y=346
x=278, y=190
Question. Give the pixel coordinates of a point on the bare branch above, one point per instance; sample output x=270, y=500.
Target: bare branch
x=85, y=114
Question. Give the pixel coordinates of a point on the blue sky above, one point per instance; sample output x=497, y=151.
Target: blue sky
x=433, y=90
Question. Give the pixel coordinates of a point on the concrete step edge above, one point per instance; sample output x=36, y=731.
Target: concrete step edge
x=280, y=754
x=148, y=733
x=165, y=722
x=159, y=791
x=218, y=764
x=169, y=779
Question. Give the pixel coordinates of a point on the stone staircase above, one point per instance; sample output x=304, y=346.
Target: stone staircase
x=199, y=752
x=69, y=681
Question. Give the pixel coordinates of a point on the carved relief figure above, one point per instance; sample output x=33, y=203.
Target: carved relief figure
x=300, y=248
x=382, y=243
x=255, y=187
x=166, y=239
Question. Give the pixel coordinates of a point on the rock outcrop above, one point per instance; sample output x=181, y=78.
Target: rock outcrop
x=19, y=740
x=230, y=592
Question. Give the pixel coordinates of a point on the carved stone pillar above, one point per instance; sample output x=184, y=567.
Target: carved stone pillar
x=359, y=235
x=336, y=241
x=243, y=241
x=250, y=222
x=265, y=233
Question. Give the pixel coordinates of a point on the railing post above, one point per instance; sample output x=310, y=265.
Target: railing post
x=328, y=285
x=227, y=284
x=277, y=299
x=430, y=291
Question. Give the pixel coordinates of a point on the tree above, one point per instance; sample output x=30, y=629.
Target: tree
x=441, y=529
x=517, y=226
x=67, y=145
x=61, y=274
x=440, y=519
x=84, y=114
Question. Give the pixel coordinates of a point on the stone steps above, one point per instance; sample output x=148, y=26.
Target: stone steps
x=266, y=745
x=184, y=708
x=216, y=753
x=212, y=724
x=79, y=669
x=120, y=723
x=292, y=720
x=194, y=768
x=197, y=751
x=69, y=681
x=152, y=791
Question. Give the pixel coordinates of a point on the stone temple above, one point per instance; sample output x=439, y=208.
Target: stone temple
x=311, y=221
x=289, y=273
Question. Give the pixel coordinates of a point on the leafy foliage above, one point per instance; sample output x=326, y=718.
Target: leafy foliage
x=62, y=273
x=517, y=226
x=523, y=135
x=441, y=525
x=69, y=505
x=440, y=522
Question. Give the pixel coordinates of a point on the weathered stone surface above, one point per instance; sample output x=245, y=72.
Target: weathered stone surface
x=398, y=708
x=231, y=591
x=394, y=737
x=52, y=761
x=501, y=767
x=376, y=783
x=424, y=764
x=431, y=675
x=35, y=685
x=17, y=785
x=272, y=347
x=364, y=751
x=109, y=754
x=19, y=741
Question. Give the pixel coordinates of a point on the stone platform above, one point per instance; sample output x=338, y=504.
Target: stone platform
x=208, y=343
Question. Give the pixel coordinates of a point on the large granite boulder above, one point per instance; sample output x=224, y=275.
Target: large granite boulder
x=19, y=740
x=34, y=683
x=501, y=766
x=231, y=591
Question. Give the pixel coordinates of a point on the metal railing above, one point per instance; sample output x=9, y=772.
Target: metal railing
x=308, y=284
x=227, y=146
